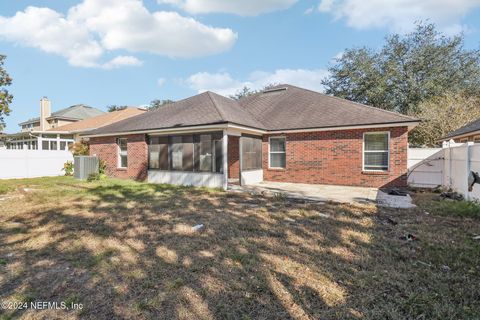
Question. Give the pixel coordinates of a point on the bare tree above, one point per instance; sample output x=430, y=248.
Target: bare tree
x=442, y=115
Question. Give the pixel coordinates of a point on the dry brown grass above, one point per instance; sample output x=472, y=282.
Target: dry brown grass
x=127, y=250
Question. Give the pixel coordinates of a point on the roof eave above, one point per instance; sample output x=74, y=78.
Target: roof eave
x=410, y=124
x=461, y=135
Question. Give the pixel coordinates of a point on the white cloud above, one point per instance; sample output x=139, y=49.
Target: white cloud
x=399, y=15
x=161, y=81
x=239, y=7
x=223, y=83
x=122, y=61
x=94, y=26
x=51, y=32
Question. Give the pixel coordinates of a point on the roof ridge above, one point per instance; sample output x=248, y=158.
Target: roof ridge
x=220, y=112
x=238, y=105
x=354, y=102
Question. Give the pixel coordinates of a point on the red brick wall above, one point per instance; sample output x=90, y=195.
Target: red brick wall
x=335, y=157
x=106, y=149
x=233, y=157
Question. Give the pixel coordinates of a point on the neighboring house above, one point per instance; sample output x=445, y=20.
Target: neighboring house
x=34, y=134
x=467, y=133
x=84, y=126
x=2, y=140
x=285, y=134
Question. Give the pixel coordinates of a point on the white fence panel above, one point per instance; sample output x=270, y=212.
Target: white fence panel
x=32, y=163
x=456, y=168
x=449, y=167
x=425, y=167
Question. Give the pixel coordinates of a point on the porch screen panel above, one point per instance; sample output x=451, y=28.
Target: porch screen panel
x=153, y=153
x=187, y=161
x=158, y=153
x=163, y=153
x=218, y=142
x=205, y=154
x=251, y=153
x=176, y=153
x=193, y=153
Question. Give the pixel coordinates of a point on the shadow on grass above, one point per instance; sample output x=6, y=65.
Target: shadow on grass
x=129, y=251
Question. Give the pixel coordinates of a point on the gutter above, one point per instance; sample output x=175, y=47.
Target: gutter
x=226, y=125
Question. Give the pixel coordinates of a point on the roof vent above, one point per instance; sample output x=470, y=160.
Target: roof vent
x=275, y=90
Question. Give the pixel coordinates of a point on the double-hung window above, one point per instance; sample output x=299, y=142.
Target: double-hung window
x=277, y=153
x=376, y=151
x=122, y=152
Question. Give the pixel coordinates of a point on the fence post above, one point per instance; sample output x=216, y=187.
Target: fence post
x=469, y=166
x=447, y=174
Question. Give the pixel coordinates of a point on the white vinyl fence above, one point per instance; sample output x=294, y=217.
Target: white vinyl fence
x=32, y=163
x=425, y=166
x=448, y=166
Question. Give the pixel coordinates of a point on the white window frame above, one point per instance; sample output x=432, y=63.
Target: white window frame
x=388, y=151
x=269, y=152
x=119, y=153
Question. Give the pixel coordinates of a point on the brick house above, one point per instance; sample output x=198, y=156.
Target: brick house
x=284, y=134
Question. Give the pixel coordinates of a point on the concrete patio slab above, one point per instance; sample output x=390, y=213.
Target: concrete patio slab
x=322, y=193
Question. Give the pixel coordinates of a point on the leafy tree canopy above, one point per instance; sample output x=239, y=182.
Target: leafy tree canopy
x=408, y=70
x=246, y=91
x=442, y=115
x=157, y=103
x=5, y=97
x=114, y=107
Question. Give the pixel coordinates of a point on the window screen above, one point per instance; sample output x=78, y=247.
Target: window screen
x=158, y=153
x=278, y=152
x=204, y=153
x=375, y=156
x=251, y=153
x=122, y=152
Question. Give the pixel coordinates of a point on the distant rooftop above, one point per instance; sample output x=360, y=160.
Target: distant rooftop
x=100, y=120
x=466, y=129
x=76, y=112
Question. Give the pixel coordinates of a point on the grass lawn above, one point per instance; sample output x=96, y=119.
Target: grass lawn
x=127, y=250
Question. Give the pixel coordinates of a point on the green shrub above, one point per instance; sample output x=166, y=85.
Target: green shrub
x=79, y=148
x=68, y=168
x=93, y=177
x=102, y=167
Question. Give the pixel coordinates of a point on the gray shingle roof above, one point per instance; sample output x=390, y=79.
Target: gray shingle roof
x=281, y=108
x=78, y=111
x=289, y=107
x=470, y=127
x=201, y=109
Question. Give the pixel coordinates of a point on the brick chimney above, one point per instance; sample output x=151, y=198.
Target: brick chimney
x=45, y=112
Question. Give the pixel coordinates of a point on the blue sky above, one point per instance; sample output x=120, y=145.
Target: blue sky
x=103, y=52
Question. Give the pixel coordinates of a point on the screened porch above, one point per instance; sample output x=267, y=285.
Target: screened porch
x=209, y=159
